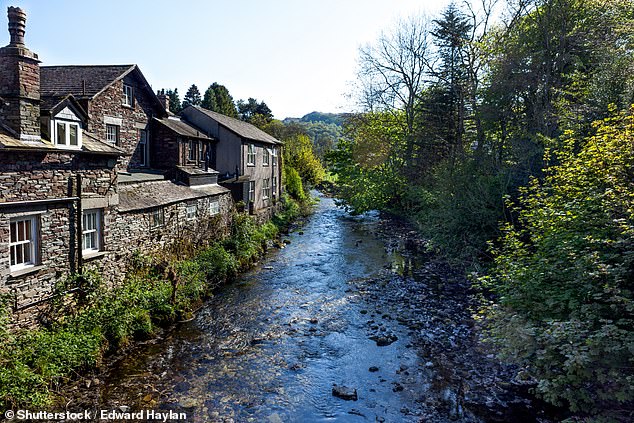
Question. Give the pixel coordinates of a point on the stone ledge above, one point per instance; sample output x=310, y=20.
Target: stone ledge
x=94, y=256
x=26, y=271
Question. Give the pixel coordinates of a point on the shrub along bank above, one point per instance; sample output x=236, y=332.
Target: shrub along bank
x=158, y=291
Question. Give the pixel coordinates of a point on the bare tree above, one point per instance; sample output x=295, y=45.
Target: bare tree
x=392, y=70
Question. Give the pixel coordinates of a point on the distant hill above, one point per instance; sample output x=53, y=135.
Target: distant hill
x=330, y=118
x=324, y=129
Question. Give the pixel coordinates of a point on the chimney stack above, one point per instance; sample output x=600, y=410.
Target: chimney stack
x=165, y=100
x=19, y=82
x=17, y=26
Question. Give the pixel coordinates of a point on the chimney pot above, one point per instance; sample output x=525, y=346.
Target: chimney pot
x=17, y=25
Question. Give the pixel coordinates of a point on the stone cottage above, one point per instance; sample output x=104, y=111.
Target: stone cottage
x=248, y=159
x=84, y=181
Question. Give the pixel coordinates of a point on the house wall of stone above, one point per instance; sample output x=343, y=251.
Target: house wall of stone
x=108, y=107
x=30, y=175
x=166, y=152
x=34, y=176
x=131, y=232
x=229, y=152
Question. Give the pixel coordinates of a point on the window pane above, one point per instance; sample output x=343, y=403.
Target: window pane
x=13, y=255
x=27, y=252
x=18, y=256
x=27, y=230
x=14, y=229
x=61, y=133
x=21, y=234
x=73, y=134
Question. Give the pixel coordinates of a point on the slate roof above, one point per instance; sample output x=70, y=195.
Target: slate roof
x=182, y=128
x=82, y=81
x=242, y=128
x=90, y=144
x=52, y=105
x=161, y=193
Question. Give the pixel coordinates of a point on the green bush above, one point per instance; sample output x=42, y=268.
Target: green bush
x=217, y=264
x=564, y=275
x=294, y=185
x=459, y=208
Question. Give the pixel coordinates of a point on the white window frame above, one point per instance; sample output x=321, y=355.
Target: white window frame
x=274, y=185
x=266, y=157
x=251, y=155
x=117, y=134
x=191, y=211
x=252, y=191
x=214, y=207
x=157, y=218
x=89, y=231
x=30, y=244
x=128, y=95
x=67, y=126
x=143, y=147
x=274, y=155
x=266, y=188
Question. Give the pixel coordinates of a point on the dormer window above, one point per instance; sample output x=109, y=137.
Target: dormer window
x=65, y=130
x=128, y=99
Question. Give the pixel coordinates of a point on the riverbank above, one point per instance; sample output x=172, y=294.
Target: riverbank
x=437, y=303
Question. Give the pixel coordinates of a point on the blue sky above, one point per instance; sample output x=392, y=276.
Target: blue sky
x=298, y=56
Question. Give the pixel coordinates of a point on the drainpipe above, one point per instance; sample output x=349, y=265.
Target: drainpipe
x=80, y=257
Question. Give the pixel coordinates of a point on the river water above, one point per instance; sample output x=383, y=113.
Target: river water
x=270, y=346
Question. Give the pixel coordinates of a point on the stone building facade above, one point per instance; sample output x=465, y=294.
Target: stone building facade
x=79, y=188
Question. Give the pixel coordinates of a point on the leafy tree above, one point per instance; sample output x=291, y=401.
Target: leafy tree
x=218, y=99
x=252, y=110
x=564, y=274
x=192, y=97
x=298, y=154
x=367, y=162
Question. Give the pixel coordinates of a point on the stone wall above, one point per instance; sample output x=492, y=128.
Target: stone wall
x=130, y=232
x=108, y=107
x=43, y=185
x=170, y=153
x=28, y=176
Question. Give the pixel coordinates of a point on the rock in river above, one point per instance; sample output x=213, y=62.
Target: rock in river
x=343, y=392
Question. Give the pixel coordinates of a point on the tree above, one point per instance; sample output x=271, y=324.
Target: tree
x=392, y=74
x=192, y=97
x=218, y=99
x=252, y=110
x=451, y=32
x=299, y=154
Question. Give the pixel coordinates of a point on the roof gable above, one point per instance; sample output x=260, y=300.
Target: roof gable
x=88, y=81
x=54, y=105
x=83, y=81
x=239, y=127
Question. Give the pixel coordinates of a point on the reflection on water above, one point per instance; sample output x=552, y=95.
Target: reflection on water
x=270, y=346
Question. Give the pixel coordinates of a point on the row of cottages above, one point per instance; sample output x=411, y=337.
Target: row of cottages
x=93, y=167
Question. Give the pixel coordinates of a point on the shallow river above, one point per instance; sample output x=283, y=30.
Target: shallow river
x=269, y=347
